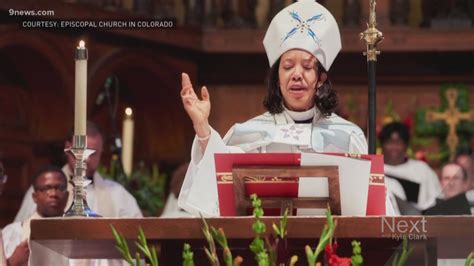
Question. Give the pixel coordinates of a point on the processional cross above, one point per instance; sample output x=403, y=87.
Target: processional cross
x=452, y=117
x=372, y=36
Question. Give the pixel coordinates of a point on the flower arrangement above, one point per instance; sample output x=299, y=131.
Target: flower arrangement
x=269, y=250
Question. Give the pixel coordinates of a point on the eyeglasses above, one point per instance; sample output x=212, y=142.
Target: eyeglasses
x=48, y=188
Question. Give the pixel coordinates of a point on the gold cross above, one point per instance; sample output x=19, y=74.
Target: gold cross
x=452, y=117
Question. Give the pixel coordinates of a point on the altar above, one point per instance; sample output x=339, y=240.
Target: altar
x=54, y=241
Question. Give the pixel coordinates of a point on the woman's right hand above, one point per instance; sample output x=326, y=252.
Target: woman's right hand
x=198, y=110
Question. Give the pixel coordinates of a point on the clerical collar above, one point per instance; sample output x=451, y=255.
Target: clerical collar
x=305, y=116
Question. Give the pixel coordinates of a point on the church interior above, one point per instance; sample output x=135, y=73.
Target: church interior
x=427, y=46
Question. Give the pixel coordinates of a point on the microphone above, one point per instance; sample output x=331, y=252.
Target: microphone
x=105, y=92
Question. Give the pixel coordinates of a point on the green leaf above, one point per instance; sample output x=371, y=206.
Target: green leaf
x=137, y=259
x=154, y=257
x=400, y=260
x=142, y=248
x=262, y=259
x=395, y=260
x=122, y=245
x=187, y=255
x=276, y=229
x=211, y=252
x=116, y=235
x=356, y=259
x=470, y=260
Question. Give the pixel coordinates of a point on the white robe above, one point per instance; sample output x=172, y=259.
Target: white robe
x=105, y=197
x=418, y=172
x=470, y=199
x=199, y=191
x=14, y=233
x=172, y=210
x=3, y=259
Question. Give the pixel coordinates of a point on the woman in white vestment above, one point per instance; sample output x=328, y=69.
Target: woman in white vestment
x=301, y=43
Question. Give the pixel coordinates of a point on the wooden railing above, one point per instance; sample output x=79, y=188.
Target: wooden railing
x=438, y=14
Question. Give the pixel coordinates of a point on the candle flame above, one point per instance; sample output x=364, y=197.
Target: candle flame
x=82, y=44
x=128, y=111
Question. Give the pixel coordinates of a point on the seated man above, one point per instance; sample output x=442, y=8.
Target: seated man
x=420, y=183
x=466, y=161
x=454, y=183
x=105, y=197
x=50, y=196
x=454, y=180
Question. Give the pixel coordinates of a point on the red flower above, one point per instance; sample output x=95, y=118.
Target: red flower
x=408, y=122
x=333, y=259
x=421, y=156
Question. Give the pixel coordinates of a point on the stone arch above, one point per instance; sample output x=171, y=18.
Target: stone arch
x=151, y=83
x=45, y=49
x=34, y=98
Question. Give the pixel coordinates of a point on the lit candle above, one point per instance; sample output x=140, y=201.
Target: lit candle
x=127, y=136
x=80, y=104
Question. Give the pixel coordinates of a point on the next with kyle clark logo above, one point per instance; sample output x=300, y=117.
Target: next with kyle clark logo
x=413, y=228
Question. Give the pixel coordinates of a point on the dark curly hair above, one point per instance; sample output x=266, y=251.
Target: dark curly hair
x=47, y=169
x=325, y=99
x=395, y=127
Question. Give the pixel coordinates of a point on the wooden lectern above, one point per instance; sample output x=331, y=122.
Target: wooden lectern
x=242, y=201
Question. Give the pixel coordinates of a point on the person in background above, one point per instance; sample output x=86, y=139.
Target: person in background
x=410, y=173
x=454, y=183
x=466, y=161
x=454, y=180
x=50, y=196
x=104, y=196
x=172, y=210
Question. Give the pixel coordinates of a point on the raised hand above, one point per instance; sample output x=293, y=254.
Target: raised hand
x=198, y=110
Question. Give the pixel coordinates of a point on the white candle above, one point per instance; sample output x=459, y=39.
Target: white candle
x=80, y=99
x=127, y=137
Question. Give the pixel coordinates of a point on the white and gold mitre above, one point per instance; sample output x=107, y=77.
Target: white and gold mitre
x=304, y=25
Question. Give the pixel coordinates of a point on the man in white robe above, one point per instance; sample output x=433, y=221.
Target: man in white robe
x=16, y=235
x=104, y=196
x=394, y=138
x=50, y=194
